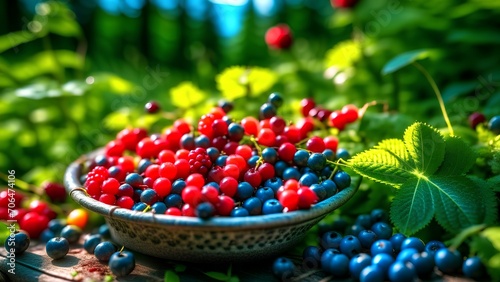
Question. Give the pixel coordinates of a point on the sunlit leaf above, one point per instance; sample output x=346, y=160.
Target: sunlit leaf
x=14, y=39
x=236, y=82
x=426, y=147
x=405, y=59
x=117, y=120
x=47, y=62
x=186, y=94
x=458, y=157
x=171, y=276
x=40, y=90
x=343, y=55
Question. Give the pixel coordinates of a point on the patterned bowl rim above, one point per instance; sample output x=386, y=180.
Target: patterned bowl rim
x=78, y=193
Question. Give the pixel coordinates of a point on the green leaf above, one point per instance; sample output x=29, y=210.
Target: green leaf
x=485, y=250
x=171, y=276
x=405, y=59
x=186, y=95
x=343, y=55
x=413, y=206
x=458, y=157
x=380, y=165
x=426, y=147
x=41, y=90
x=16, y=38
x=217, y=275
x=494, y=182
x=457, y=89
x=456, y=201
x=237, y=81
x=489, y=204
x=396, y=146
x=493, y=235
x=180, y=267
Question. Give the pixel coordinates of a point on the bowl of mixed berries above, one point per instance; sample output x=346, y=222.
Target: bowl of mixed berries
x=222, y=190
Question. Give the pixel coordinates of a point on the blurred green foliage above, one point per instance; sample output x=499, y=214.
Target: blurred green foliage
x=67, y=87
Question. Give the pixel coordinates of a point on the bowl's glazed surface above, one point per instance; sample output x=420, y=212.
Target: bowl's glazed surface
x=219, y=239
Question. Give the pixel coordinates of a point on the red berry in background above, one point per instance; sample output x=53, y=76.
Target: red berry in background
x=337, y=120
x=55, y=192
x=315, y=144
x=343, y=3
x=350, y=112
x=307, y=104
x=182, y=126
x=279, y=37
x=114, y=148
x=34, y=223
x=331, y=142
x=251, y=125
x=152, y=107
x=475, y=119
x=4, y=199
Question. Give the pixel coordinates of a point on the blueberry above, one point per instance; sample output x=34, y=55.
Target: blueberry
x=104, y=231
x=221, y=160
x=300, y=157
x=173, y=200
x=338, y=265
x=316, y=161
x=279, y=168
x=396, y=240
x=327, y=255
x=308, y=179
x=56, y=225
x=364, y=220
x=367, y=238
x=433, y=246
x=134, y=179
x=413, y=242
x=272, y=206
x=331, y=240
x=187, y=142
x=253, y=205
x=104, y=250
x=329, y=154
x=264, y=194
x=354, y=229
x=325, y=172
x=330, y=187
x=381, y=246
x=177, y=186
x=205, y=210
x=448, y=261
x=342, y=179
x=382, y=229
x=91, y=241
x=283, y=268
x=72, y=233
x=149, y=196
x=275, y=99
x=269, y=155
x=244, y=191
x=424, y=264
x=126, y=190
x=213, y=153
x=350, y=246
x=159, y=207
x=121, y=263
x=474, y=268
x=274, y=183
x=379, y=215
x=46, y=235
x=252, y=161
x=140, y=206
x=494, y=124
x=402, y=271
x=267, y=111
x=342, y=154
x=202, y=141
x=311, y=257
x=143, y=165
x=239, y=212
x=235, y=132
x=17, y=242
x=358, y=263
x=383, y=261
x=372, y=273
x=57, y=247
x=319, y=190
x=291, y=173
x=406, y=254
x=101, y=160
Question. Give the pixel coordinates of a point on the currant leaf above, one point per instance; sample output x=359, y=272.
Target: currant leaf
x=458, y=157
x=488, y=201
x=382, y=166
x=186, y=95
x=413, y=206
x=395, y=146
x=456, y=201
x=426, y=147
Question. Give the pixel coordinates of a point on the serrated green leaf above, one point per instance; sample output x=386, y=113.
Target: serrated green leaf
x=494, y=183
x=458, y=157
x=186, y=95
x=217, y=275
x=380, y=165
x=171, y=276
x=426, y=147
x=456, y=201
x=489, y=204
x=237, y=81
x=412, y=208
x=395, y=146
x=405, y=59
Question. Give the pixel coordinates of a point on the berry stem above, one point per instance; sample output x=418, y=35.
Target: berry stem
x=438, y=95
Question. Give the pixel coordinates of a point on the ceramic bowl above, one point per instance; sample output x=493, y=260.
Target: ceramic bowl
x=219, y=239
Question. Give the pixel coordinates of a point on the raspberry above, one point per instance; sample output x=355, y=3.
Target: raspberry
x=199, y=161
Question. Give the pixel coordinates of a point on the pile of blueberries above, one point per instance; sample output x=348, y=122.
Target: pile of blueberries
x=370, y=251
